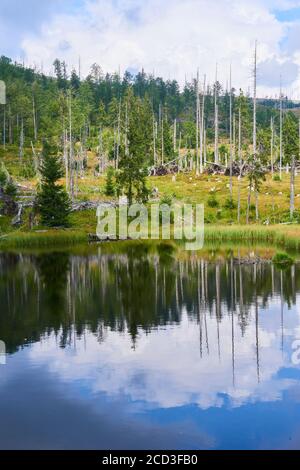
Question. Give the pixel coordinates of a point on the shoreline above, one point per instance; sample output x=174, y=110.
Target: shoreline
x=280, y=236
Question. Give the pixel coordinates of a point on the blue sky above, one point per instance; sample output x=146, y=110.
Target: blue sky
x=291, y=14
x=170, y=37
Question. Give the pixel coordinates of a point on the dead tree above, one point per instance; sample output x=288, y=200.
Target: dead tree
x=292, y=191
x=272, y=145
x=34, y=118
x=230, y=132
x=21, y=146
x=254, y=100
x=4, y=127
x=216, y=120
x=281, y=131
x=202, y=125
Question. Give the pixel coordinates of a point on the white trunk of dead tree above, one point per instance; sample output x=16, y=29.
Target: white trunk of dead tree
x=230, y=133
x=66, y=158
x=254, y=100
x=202, y=124
x=175, y=136
x=216, y=120
x=272, y=146
x=118, y=137
x=34, y=119
x=4, y=127
x=21, y=147
x=197, y=122
x=240, y=136
x=281, y=132
x=71, y=154
x=292, y=191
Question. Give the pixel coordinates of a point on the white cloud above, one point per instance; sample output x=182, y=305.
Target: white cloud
x=171, y=37
x=166, y=370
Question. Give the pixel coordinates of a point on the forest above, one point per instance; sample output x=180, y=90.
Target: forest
x=105, y=135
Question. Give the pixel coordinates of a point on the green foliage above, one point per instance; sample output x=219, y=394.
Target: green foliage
x=131, y=180
x=256, y=174
x=229, y=204
x=110, y=187
x=11, y=189
x=166, y=199
x=102, y=100
x=28, y=170
x=7, y=184
x=276, y=178
x=212, y=201
x=131, y=177
x=52, y=201
x=290, y=137
x=283, y=260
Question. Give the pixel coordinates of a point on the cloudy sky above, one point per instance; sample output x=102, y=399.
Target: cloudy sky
x=171, y=38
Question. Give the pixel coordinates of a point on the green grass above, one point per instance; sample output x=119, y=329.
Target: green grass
x=287, y=237
x=220, y=217
x=50, y=238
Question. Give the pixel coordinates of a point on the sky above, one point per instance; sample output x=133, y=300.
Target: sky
x=170, y=38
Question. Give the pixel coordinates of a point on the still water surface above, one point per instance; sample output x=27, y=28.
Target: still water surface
x=147, y=349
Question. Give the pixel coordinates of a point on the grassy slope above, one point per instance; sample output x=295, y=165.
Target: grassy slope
x=220, y=222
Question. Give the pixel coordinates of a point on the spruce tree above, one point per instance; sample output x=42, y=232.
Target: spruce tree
x=131, y=178
x=53, y=202
x=110, y=186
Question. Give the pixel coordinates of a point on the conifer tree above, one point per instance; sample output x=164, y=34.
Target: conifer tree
x=110, y=186
x=131, y=179
x=52, y=201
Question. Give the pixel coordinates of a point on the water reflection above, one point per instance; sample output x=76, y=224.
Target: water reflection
x=157, y=331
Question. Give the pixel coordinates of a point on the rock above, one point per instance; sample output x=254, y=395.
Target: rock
x=7, y=204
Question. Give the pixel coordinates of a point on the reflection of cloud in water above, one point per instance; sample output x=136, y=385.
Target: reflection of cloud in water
x=167, y=370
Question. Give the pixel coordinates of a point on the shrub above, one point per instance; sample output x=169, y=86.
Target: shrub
x=276, y=178
x=229, y=204
x=212, y=201
x=283, y=260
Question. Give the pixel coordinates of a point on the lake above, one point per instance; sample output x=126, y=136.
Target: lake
x=147, y=348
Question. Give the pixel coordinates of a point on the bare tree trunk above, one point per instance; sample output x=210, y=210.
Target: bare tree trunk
x=34, y=119
x=272, y=146
x=4, y=127
x=248, y=205
x=161, y=126
x=292, y=194
x=230, y=131
x=254, y=101
x=101, y=155
x=240, y=136
x=280, y=133
x=239, y=198
x=175, y=136
x=202, y=124
x=66, y=159
x=118, y=137
x=216, y=120
x=10, y=130
x=197, y=123
x=71, y=160
x=240, y=163
x=256, y=206
x=21, y=147
x=35, y=159
x=126, y=130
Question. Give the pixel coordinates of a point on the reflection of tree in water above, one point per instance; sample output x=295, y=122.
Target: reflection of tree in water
x=53, y=269
x=132, y=291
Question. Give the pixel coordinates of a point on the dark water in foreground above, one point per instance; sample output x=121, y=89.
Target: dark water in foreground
x=145, y=350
